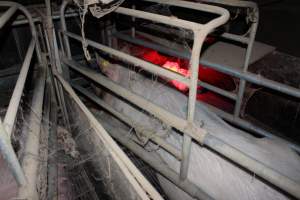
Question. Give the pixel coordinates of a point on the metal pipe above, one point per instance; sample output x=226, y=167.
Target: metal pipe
x=156, y=163
x=55, y=60
x=10, y=156
x=64, y=28
x=13, y=106
x=31, y=23
x=196, y=133
x=170, y=119
x=133, y=60
x=237, y=121
x=265, y=172
x=31, y=159
x=127, y=167
x=194, y=6
x=7, y=15
x=248, y=76
x=242, y=84
x=147, y=133
x=172, y=52
x=199, y=37
x=249, y=126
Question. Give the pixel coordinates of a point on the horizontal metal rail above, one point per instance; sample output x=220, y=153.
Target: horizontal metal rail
x=170, y=119
x=133, y=60
x=180, y=54
x=157, y=163
x=7, y=15
x=147, y=133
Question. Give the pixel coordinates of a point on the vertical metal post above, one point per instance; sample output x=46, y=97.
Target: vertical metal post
x=199, y=37
x=133, y=21
x=10, y=156
x=64, y=28
x=242, y=84
x=54, y=59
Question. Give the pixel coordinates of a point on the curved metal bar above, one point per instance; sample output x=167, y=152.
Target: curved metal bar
x=12, y=110
x=31, y=23
x=7, y=15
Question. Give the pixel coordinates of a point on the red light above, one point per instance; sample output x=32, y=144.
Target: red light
x=205, y=74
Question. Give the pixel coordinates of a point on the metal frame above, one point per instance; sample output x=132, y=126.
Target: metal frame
x=242, y=74
x=6, y=128
x=200, y=32
x=186, y=126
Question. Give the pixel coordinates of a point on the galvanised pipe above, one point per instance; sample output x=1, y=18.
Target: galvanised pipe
x=31, y=160
x=242, y=84
x=157, y=163
x=167, y=117
x=229, y=117
x=14, y=103
x=196, y=133
x=10, y=156
x=7, y=15
x=127, y=167
x=31, y=23
x=175, y=53
x=248, y=126
x=147, y=133
x=133, y=60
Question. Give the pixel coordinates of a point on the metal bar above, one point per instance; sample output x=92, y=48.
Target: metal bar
x=248, y=76
x=193, y=6
x=172, y=52
x=133, y=21
x=196, y=133
x=157, y=163
x=31, y=159
x=31, y=23
x=7, y=15
x=249, y=126
x=237, y=121
x=160, y=18
x=64, y=28
x=10, y=156
x=127, y=167
x=242, y=4
x=199, y=38
x=19, y=22
x=133, y=60
x=13, y=106
x=242, y=84
x=55, y=62
x=151, y=135
x=170, y=119
x=265, y=172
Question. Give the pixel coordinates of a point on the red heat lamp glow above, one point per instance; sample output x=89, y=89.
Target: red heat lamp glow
x=205, y=74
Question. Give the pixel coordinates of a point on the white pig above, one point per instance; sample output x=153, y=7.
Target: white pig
x=217, y=176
